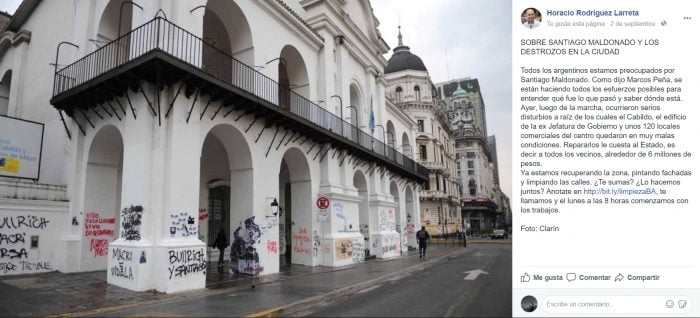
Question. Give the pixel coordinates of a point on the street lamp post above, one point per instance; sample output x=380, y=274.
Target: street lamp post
x=341, y=114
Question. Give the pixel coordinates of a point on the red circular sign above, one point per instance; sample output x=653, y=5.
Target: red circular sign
x=322, y=203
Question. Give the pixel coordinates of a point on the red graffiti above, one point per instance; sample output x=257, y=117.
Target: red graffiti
x=272, y=247
x=94, y=225
x=302, y=249
x=99, y=247
x=203, y=215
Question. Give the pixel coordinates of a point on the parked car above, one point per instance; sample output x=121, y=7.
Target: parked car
x=499, y=234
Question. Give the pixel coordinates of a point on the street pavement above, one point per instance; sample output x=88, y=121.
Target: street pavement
x=473, y=284
x=295, y=289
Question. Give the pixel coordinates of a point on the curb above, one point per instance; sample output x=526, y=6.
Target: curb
x=272, y=312
x=303, y=304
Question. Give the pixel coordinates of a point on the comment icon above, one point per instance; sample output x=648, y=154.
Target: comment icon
x=571, y=277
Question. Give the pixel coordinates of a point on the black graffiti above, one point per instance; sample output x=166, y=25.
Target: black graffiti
x=35, y=266
x=244, y=255
x=12, y=238
x=185, y=269
x=13, y=253
x=186, y=256
x=18, y=222
x=131, y=223
x=7, y=267
x=122, y=255
x=122, y=271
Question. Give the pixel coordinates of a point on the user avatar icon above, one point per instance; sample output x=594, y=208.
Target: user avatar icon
x=531, y=18
x=529, y=303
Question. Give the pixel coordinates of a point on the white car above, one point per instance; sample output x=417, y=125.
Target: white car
x=499, y=234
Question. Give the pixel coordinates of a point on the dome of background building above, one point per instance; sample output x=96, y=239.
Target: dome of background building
x=403, y=59
x=459, y=91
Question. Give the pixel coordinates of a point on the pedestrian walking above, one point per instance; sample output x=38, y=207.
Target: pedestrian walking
x=422, y=236
x=221, y=243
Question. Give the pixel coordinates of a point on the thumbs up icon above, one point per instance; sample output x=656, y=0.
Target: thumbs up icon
x=525, y=278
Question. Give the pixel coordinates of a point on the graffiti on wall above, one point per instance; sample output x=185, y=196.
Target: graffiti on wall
x=16, y=238
x=182, y=225
x=358, y=250
x=339, y=210
x=123, y=266
x=364, y=230
x=131, y=223
x=410, y=229
x=244, y=255
x=100, y=231
x=343, y=249
x=301, y=242
x=386, y=219
x=272, y=247
x=203, y=215
x=390, y=244
x=402, y=233
x=187, y=262
x=317, y=242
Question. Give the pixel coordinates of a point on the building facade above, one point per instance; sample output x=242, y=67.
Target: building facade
x=412, y=90
x=475, y=164
x=166, y=122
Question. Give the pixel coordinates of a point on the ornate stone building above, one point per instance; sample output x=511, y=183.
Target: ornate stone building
x=475, y=164
x=412, y=90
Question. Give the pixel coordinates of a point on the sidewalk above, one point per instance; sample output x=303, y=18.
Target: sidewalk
x=297, y=286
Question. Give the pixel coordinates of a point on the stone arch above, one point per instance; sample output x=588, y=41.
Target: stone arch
x=411, y=217
x=234, y=22
x=297, y=74
x=102, y=197
x=360, y=182
x=5, y=88
x=355, y=108
x=109, y=28
x=226, y=175
x=406, y=146
x=295, y=203
x=394, y=191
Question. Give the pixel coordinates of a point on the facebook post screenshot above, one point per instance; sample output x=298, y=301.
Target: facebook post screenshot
x=605, y=159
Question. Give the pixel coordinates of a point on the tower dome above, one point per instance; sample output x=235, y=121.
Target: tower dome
x=403, y=59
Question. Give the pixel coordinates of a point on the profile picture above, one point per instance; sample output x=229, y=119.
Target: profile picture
x=529, y=303
x=531, y=18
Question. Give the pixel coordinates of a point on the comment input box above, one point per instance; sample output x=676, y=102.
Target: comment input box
x=609, y=304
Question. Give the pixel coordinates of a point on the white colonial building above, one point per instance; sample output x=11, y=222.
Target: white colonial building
x=412, y=90
x=165, y=122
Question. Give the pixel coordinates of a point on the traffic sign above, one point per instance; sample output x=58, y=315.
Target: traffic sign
x=323, y=203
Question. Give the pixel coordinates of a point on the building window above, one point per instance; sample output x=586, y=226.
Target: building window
x=421, y=126
x=472, y=192
x=470, y=164
x=423, y=152
x=398, y=94
x=471, y=155
x=416, y=90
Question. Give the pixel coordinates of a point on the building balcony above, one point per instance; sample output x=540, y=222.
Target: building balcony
x=433, y=195
x=434, y=166
x=164, y=54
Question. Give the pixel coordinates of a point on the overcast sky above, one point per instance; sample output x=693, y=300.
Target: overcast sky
x=455, y=39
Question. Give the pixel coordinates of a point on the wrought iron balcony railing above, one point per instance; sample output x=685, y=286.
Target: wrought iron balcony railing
x=161, y=35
